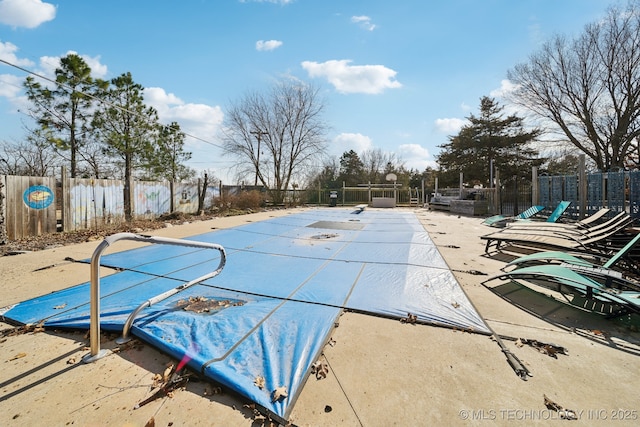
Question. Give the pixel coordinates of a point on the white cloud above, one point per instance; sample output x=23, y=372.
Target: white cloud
x=415, y=156
x=506, y=87
x=262, y=45
x=364, y=22
x=8, y=53
x=26, y=13
x=200, y=120
x=351, y=141
x=98, y=70
x=48, y=65
x=10, y=85
x=371, y=79
x=450, y=126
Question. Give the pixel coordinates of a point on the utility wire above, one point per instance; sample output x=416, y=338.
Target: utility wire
x=213, y=144
x=95, y=98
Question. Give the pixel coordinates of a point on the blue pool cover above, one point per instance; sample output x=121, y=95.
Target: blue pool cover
x=284, y=285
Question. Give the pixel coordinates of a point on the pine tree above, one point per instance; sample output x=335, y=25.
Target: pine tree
x=127, y=127
x=489, y=139
x=64, y=112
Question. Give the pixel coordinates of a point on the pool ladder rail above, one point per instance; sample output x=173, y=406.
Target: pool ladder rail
x=94, y=327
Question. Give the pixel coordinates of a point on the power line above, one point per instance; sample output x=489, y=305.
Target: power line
x=95, y=98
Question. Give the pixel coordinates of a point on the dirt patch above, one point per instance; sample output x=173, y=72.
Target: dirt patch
x=53, y=240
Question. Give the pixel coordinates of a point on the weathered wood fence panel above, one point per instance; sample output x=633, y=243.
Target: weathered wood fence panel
x=92, y=203
x=150, y=199
x=30, y=208
x=185, y=198
x=3, y=210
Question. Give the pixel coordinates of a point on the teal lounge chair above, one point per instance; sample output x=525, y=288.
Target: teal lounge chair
x=555, y=215
x=621, y=295
x=501, y=220
x=570, y=260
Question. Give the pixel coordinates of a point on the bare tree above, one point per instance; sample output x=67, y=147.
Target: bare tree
x=589, y=87
x=33, y=157
x=376, y=162
x=97, y=163
x=276, y=135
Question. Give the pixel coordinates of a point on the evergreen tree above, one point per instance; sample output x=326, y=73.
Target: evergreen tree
x=128, y=127
x=351, y=168
x=489, y=139
x=64, y=113
x=167, y=157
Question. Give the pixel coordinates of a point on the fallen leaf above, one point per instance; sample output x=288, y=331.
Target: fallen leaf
x=167, y=372
x=550, y=404
x=209, y=390
x=18, y=356
x=565, y=414
x=280, y=393
x=411, y=318
x=551, y=350
x=568, y=414
x=259, y=382
x=320, y=369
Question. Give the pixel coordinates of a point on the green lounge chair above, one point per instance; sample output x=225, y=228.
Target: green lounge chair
x=570, y=260
x=605, y=287
x=501, y=220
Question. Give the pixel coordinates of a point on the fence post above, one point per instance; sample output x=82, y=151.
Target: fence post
x=535, y=195
x=65, y=209
x=172, y=193
x=582, y=186
x=497, y=201
x=3, y=210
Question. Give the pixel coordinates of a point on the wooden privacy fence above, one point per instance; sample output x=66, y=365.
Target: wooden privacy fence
x=30, y=206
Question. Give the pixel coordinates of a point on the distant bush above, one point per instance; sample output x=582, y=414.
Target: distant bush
x=250, y=200
x=253, y=200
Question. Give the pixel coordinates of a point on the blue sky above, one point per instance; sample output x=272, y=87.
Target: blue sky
x=398, y=75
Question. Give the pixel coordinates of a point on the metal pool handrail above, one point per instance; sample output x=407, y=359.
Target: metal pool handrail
x=94, y=328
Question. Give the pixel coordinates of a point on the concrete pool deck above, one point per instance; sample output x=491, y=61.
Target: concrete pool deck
x=381, y=372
